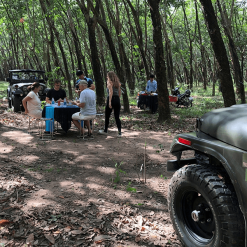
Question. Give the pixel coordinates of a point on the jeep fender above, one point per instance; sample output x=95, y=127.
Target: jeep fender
x=230, y=157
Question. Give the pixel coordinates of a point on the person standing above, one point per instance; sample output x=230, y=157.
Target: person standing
x=151, y=85
x=32, y=103
x=113, y=102
x=87, y=104
x=81, y=76
x=57, y=93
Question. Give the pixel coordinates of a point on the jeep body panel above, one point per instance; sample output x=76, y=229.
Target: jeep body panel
x=233, y=160
x=226, y=124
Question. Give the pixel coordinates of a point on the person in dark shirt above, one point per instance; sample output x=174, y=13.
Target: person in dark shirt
x=57, y=93
x=81, y=76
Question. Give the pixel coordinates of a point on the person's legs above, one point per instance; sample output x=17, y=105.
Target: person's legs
x=116, y=105
x=108, y=112
x=87, y=123
x=75, y=118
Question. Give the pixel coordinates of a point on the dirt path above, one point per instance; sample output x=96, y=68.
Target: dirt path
x=62, y=192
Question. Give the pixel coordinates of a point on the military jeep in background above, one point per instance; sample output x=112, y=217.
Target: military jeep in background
x=19, y=80
x=207, y=197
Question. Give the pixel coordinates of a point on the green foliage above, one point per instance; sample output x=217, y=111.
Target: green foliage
x=3, y=89
x=118, y=172
x=130, y=189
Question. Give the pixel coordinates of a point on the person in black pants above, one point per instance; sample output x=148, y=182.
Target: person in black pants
x=113, y=102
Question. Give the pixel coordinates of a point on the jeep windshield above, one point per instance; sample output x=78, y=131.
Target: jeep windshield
x=22, y=76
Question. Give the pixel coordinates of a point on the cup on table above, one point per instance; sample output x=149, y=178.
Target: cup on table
x=70, y=103
x=58, y=102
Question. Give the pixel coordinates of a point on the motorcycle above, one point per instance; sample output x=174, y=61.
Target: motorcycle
x=183, y=99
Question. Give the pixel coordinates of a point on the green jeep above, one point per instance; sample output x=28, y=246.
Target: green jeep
x=207, y=197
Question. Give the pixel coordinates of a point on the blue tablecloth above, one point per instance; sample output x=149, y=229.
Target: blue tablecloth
x=62, y=114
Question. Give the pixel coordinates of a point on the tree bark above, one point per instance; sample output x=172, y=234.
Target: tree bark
x=138, y=36
x=91, y=24
x=238, y=78
x=202, y=48
x=112, y=49
x=220, y=53
x=160, y=66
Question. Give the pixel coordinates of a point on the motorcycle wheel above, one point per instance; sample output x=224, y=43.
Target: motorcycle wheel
x=204, y=209
x=186, y=102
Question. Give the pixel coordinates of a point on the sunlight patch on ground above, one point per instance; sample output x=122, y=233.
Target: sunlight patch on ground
x=18, y=136
x=104, y=170
x=4, y=148
x=29, y=159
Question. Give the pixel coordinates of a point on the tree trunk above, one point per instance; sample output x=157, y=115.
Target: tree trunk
x=112, y=49
x=123, y=56
x=202, y=48
x=91, y=23
x=220, y=53
x=160, y=66
x=238, y=78
x=138, y=36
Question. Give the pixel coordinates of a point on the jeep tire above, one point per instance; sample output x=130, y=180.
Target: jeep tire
x=204, y=209
x=16, y=103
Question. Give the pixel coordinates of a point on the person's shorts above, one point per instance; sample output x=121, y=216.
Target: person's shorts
x=79, y=116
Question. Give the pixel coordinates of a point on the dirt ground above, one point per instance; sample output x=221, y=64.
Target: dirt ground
x=64, y=192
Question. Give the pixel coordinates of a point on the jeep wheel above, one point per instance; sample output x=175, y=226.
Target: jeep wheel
x=204, y=210
x=16, y=104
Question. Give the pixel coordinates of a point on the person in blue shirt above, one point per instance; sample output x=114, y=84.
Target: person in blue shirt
x=151, y=85
x=81, y=76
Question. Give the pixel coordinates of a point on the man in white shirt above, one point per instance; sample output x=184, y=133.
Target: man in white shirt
x=87, y=103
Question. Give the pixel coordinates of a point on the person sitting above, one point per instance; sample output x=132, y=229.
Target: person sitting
x=81, y=76
x=57, y=93
x=151, y=85
x=87, y=103
x=32, y=103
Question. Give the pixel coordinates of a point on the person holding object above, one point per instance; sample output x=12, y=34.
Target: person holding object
x=81, y=76
x=57, y=93
x=87, y=103
x=151, y=85
x=32, y=103
x=113, y=102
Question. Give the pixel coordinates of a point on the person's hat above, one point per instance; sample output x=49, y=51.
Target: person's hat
x=79, y=72
x=83, y=82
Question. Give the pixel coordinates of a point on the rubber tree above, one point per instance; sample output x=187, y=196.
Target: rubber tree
x=160, y=66
x=220, y=53
x=103, y=24
x=91, y=24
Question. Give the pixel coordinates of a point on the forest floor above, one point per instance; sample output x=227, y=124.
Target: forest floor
x=74, y=192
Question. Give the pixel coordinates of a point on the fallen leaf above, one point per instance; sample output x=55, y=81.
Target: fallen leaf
x=4, y=222
x=96, y=230
x=50, y=238
x=137, y=238
x=76, y=232
x=30, y=239
x=61, y=197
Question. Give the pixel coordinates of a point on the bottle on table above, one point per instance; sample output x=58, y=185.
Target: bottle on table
x=52, y=101
x=64, y=101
